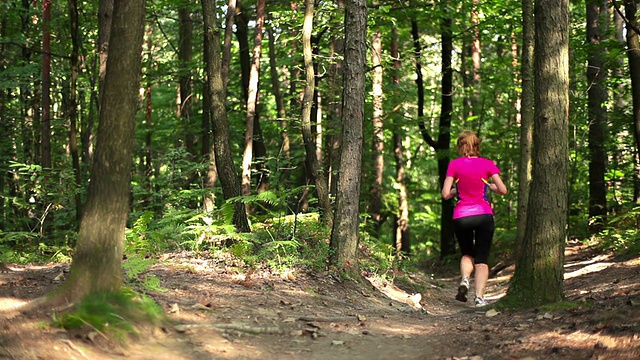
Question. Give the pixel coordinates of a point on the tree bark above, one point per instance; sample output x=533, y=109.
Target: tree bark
x=527, y=115
x=539, y=270
x=73, y=103
x=401, y=226
x=45, y=145
x=447, y=243
x=318, y=175
x=185, y=56
x=345, y=233
x=97, y=263
x=227, y=172
x=597, y=117
x=441, y=146
x=633, y=55
x=252, y=100
x=377, y=141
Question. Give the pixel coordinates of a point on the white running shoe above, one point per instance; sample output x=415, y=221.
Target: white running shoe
x=463, y=289
x=480, y=302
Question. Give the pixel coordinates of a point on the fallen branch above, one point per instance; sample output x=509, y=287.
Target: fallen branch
x=237, y=327
x=329, y=319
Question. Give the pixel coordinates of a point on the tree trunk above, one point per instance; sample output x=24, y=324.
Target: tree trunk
x=282, y=167
x=252, y=100
x=597, y=118
x=377, y=146
x=345, y=232
x=401, y=225
x=97, y=263
x=316, y=170
x=73, y=107
x=527, y=115
x=45, y=145
x=334, y=108
x=227, y=172
x=185, y=56
x=633, y=54
x=242, y=34
x=539, y=270
x=447, y=243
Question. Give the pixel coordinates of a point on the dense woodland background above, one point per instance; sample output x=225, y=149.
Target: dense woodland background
x=52, y=67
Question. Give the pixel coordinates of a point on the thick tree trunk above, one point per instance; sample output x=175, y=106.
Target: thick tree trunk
x=97, y=263
x=597, y=117
x=227, y=172
x=345, y=233
x=539, y=271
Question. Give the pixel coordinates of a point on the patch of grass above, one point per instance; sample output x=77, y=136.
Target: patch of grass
x=116, y=315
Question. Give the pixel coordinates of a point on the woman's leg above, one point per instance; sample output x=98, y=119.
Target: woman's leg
x=483, y=240
x=480, y=279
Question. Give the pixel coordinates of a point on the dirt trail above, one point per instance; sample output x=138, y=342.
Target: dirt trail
x=218, y=312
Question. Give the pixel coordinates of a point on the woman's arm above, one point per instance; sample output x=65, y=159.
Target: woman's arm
x=498, y=185
x=447, y=191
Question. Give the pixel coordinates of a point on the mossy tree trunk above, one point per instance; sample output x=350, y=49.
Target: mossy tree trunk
x=539, y=271
x=97, y=263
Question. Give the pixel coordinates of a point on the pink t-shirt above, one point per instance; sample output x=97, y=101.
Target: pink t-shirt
x=468, y=175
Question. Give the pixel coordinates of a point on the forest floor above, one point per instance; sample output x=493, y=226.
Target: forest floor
x=218, y=311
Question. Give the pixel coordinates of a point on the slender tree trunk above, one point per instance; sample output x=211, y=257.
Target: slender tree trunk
x=285, y=146
x=209, y=202
x=345, y=234
x=5, y=128
x=476, y=122
x=242, y=34
x=633, y=54
x=97, y=263
x=46, y=86
x=252, y=100
x=317, y=173
x=539, y=271
x=73, y=107
x=375, y=196
x=185, y=56
x=401, y=225
x=212, y=172
x=334, y=108
x=597, y=118
x=527, y=115
x=226, y=45
x=227, y=172
x=441, y=146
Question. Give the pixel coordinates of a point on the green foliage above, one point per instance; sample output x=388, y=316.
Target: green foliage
x=286, y=242
x=622, y=234
x=118, y=316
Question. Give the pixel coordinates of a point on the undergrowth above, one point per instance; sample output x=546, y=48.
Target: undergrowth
x=117, y=316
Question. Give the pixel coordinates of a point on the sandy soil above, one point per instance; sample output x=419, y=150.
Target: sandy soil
x=218, y=310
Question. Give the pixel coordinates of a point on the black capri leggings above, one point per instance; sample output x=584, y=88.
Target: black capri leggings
x=479, y=228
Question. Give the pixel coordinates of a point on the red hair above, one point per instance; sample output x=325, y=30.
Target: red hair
x=468, y=143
